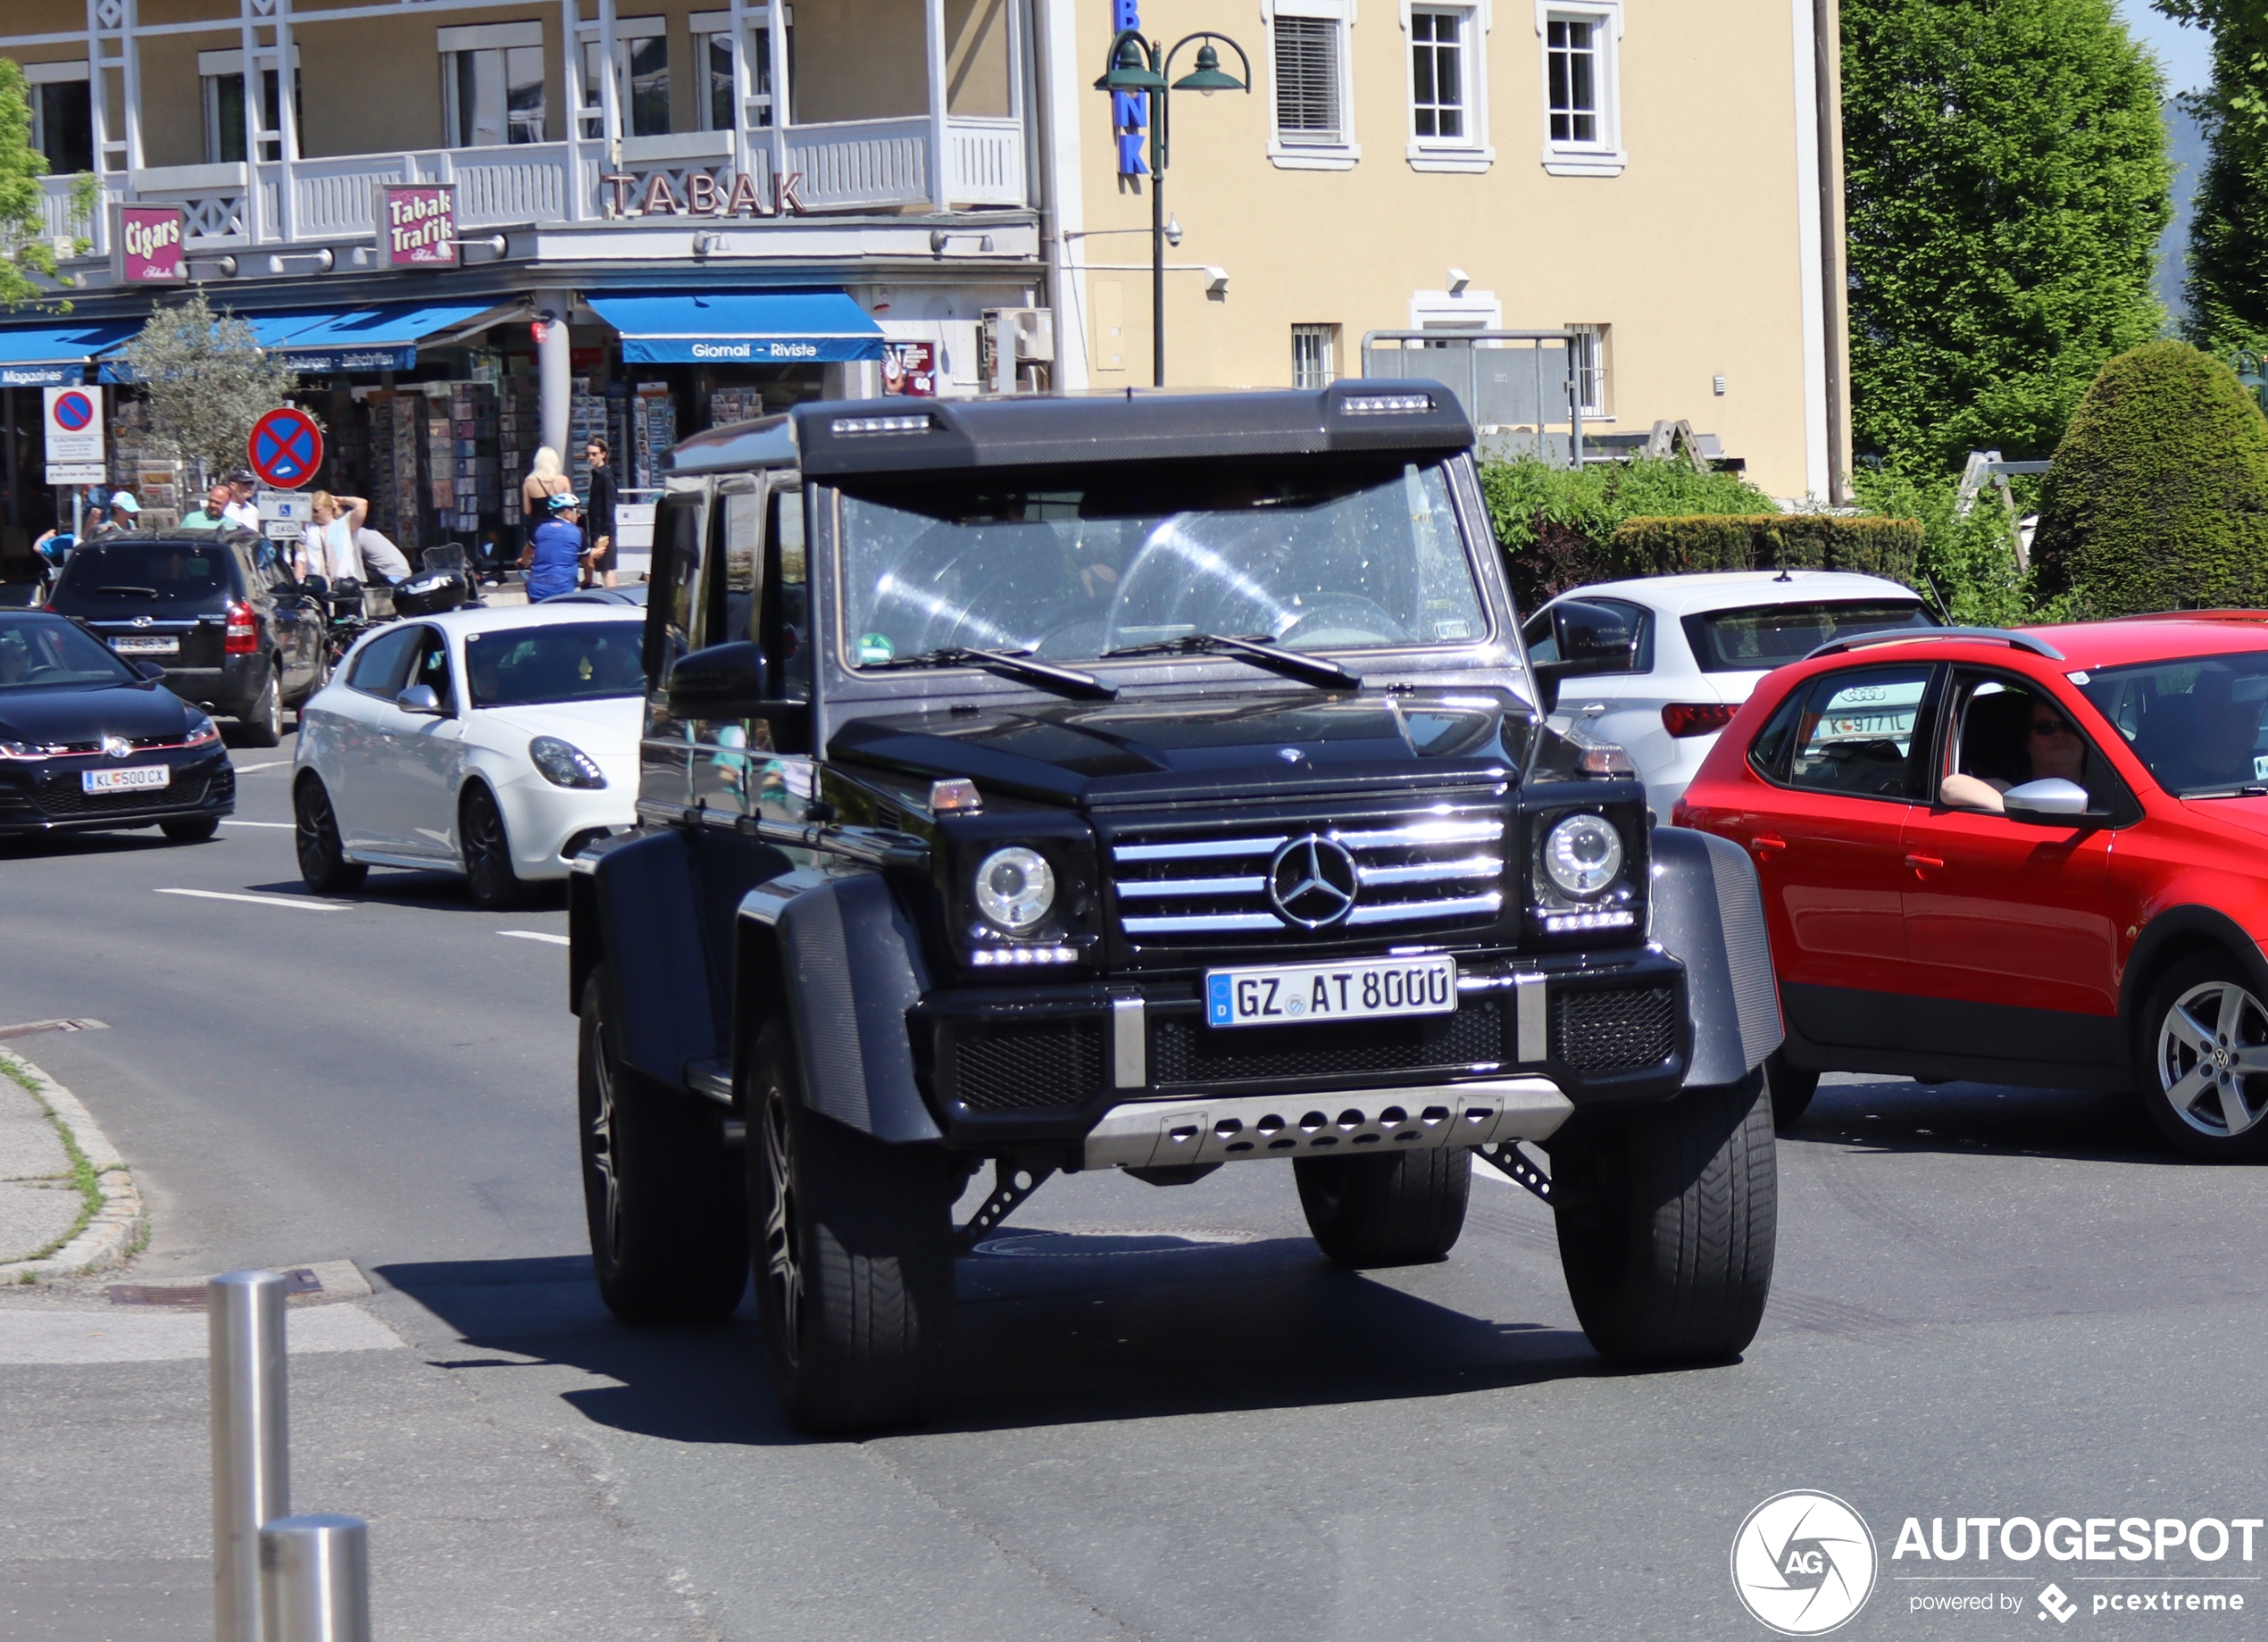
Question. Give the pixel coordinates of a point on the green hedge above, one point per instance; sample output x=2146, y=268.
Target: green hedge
x=1764, y=541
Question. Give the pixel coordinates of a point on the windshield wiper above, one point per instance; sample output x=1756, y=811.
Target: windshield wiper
x=1011, y=664
x=1292, y=663
x=2233, y=790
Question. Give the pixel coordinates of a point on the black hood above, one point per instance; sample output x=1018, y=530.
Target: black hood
x=1143, y=752
x=138, y=710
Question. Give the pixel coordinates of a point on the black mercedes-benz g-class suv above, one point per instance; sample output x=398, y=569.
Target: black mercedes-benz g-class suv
x=1149, y=782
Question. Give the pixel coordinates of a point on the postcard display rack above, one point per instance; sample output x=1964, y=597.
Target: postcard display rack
x=138, y=463
x=463, y=456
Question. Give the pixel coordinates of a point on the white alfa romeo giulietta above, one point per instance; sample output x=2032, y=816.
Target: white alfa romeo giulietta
x=496, y=743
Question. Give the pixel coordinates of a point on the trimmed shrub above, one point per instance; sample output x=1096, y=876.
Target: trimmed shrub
x=1554, y=523
x=1765, y=541
x=2158, y=498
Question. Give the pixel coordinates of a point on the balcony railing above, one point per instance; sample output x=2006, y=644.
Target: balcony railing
x=851, y=165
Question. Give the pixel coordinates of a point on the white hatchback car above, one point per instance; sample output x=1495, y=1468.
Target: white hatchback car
x=1704, y=640
x=497, y=742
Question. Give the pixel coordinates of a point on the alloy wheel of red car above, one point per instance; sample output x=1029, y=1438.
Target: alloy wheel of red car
x=2212, y=1059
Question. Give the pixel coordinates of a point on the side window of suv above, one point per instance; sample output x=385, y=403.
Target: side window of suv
x=786, y=613
x=384, y=663
x=671, y=612
x=1855, y=732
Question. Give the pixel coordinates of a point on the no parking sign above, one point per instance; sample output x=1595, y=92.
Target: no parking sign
x=286, y=447
x=73, y=425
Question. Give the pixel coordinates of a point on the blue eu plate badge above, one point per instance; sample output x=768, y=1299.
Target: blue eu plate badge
x=1218, y=1009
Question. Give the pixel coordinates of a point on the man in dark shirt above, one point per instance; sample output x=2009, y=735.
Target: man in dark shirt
x=598, y=517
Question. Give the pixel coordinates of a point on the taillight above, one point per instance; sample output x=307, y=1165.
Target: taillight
x=243, y=635
x=1697, y=718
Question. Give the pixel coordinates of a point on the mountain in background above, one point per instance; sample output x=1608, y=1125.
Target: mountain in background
x=2185, y=141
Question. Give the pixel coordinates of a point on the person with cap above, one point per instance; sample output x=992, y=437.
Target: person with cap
x=124, y=515
x=554, y=555
x=241, y=508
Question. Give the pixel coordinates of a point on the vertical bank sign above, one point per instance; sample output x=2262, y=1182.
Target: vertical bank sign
x=150, y=244
x=417, y=224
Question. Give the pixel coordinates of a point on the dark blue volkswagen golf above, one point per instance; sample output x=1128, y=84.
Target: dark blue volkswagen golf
x=89, y=740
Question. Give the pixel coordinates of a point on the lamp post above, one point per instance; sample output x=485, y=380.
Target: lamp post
x=1137, y=64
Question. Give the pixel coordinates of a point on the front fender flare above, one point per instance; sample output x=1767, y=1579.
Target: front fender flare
x=834, y=954
x=1709, y=914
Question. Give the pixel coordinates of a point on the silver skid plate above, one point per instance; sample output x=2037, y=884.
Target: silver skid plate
x=1249, y=1129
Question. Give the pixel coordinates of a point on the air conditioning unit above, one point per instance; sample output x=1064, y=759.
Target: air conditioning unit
x=1011, y=338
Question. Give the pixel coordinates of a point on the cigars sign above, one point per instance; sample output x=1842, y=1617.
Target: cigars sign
x=652, y=194
x=151, y=243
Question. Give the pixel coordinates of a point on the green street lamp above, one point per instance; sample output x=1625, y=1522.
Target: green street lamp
x=1140, y=65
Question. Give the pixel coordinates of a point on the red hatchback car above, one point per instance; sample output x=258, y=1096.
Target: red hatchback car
x=2028, y=857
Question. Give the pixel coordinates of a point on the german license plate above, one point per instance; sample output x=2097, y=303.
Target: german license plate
x=1362, y=990
x=134, y=779
x=129, y=646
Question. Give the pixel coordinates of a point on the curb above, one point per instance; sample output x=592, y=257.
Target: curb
x=119, y=1225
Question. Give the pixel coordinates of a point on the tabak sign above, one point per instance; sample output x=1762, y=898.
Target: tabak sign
x=652, y=194
x=417, y=224
x=152, y=245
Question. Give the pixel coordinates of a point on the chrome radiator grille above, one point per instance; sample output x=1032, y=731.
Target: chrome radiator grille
x=1415, y=870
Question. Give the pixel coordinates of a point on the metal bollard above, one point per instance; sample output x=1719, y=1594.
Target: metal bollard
x=315, y=1579
x=251, y=1446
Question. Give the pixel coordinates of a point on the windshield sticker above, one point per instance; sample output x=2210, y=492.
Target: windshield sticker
x=875, y=649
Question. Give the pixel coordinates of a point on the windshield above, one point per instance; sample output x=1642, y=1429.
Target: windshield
x=2195, y=724
x=1769, y=636
x=140, y=572
x=586, y=661
x=39, y=652
x=1351, y=555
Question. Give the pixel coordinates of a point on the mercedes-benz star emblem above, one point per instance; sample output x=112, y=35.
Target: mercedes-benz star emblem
x=1312, y=881
x=118, y=746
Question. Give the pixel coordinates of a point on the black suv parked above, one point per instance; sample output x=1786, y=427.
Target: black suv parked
x=216, y=609
x=1151, y=783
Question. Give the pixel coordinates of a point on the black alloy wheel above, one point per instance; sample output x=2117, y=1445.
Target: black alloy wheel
x=262, y=724
x=190, y=828
x=324, y=866
x=1668, y=1217
x=853, y=1240
x=2204, y=1061
x=661, y=1186
x=487, y=848
x=1402, y=1209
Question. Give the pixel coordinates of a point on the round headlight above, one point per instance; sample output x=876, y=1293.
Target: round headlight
x=1015, y=886
x=1583, y=854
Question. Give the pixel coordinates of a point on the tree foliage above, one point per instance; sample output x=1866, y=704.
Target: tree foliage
x=207, y=382
x=1552, y=522
x=1967, y=564
x=2158, y=498
x=2007, y=181
x=26, y=255
x=2228, y=284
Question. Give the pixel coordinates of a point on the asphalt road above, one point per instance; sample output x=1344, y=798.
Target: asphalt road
x=1173, y=1420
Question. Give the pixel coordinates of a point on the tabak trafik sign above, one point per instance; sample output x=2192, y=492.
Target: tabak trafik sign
x=417, y=224
x=650, y=194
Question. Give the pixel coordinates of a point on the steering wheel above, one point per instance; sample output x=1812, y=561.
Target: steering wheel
x=1342, y=619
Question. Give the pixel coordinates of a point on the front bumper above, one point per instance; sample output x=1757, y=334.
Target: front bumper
x=1038, y=1064
x=549, y=826
x=46, y=795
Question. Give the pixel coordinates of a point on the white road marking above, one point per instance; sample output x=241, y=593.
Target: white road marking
x=129, y=1336
x=287, y=825
x=292, y=902
x=534, y=934
x=273, y=763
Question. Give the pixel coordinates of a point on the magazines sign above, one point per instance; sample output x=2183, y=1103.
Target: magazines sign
x=152, y=245
x=417, y=224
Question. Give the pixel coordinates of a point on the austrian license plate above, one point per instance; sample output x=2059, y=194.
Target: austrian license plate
x=1365, y=989
x=134, y=779
x=129, y=646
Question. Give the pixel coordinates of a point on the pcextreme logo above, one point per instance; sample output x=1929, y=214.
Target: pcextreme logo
x=1803, y=1562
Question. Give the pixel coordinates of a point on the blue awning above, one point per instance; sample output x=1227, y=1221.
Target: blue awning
x=51, y=354
x=757, y=328
x=321, y=341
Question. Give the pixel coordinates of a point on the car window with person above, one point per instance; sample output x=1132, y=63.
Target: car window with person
x=2195, y=723
x=579, y=662
x=2006, y=735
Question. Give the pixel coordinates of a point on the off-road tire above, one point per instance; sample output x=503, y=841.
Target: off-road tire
x=661, y=1186
x=262, y=724
x=486, y=846
x=1791, y=1088
x=1402, y=1209
x=2195, y=1120
x=1667, y=1217
x=853, y=1244
x=190, y=828
x=324, y=866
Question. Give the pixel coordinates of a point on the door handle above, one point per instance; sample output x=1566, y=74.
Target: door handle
x=1768, y=844
x=1924, y=864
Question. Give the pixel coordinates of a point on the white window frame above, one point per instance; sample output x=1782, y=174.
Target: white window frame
x=1473, y=151
x=215, y=66
x=1597, y=345
x=483, y=36
x=36, y=74
x=1604, y=157
x=705, y=27
x=1329, y=334
x=1454, y=311
x=1309, y=156
x=628, y=30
